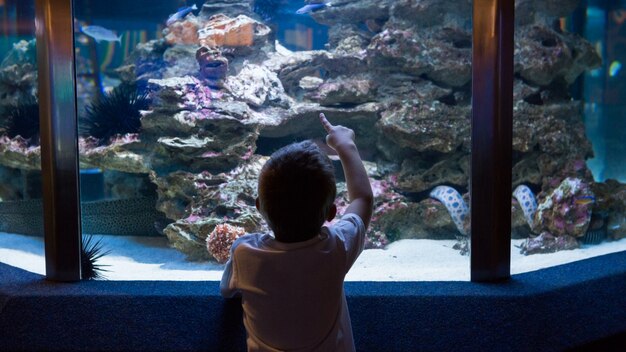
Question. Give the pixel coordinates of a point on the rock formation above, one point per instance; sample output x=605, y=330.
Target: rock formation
x=225, y=94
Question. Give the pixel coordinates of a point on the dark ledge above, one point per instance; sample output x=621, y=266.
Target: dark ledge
x=581, y=305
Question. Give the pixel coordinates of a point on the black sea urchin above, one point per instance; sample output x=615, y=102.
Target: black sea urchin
x=117, y=112
x=91, y=252
x=23, y=119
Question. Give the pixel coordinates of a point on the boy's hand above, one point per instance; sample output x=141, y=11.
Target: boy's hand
x=338, y=136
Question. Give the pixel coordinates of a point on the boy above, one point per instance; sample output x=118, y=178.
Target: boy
x=292, y=284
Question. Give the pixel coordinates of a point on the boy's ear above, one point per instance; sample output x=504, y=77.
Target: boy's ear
x=332, y=212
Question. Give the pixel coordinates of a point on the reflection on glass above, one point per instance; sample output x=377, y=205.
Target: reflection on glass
x=568, y=148
x=181, y=105
x=21, y=221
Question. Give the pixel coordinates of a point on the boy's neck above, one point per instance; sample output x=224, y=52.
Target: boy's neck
x=291, y=239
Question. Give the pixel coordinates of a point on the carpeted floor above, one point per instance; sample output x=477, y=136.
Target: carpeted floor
x=573, y=306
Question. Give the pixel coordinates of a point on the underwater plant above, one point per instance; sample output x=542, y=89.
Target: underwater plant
x=117, y=112
x=23, y=119
x=91, y=252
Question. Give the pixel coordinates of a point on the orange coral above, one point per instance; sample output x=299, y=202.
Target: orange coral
x=183, y=32
x=221, y=240
x=222, y=30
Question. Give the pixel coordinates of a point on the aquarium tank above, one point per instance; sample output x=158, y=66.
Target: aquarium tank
x=180, y=103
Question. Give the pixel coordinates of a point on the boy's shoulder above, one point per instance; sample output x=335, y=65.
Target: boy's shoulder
x=249, y=240
x=349, y=220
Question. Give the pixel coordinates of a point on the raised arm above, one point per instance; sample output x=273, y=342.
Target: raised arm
x=341, y=139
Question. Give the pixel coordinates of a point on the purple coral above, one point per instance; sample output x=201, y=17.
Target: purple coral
x=548, y=243
x=566, y=210
x=375, y=240
x=199, y=96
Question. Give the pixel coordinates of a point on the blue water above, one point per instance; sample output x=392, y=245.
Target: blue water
x=604, y=90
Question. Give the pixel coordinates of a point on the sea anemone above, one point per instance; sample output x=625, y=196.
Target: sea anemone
x=91, y=252
x=221, y=240
x=23, y=119
x=117, y=112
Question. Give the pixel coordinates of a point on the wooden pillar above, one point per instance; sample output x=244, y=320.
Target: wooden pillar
x=492, y=126
x=54, y=27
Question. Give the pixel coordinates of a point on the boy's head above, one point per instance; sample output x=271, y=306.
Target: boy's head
x=297, y=191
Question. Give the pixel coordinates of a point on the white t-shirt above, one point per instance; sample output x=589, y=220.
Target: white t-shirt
x=292, y=293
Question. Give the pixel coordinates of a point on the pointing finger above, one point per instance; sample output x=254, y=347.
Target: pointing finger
x=325, y=123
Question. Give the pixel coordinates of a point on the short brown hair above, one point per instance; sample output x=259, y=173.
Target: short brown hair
x=296, y=189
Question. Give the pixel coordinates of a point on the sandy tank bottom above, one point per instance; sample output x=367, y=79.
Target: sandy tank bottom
x=150, y=258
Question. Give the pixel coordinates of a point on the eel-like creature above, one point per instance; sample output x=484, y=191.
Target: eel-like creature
x=454, y=203
x=127, y=217
x=527, y=201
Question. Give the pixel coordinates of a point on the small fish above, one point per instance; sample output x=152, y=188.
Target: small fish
x=585, y=200
x=180, y=14
x=313, y=7
x=100, y=33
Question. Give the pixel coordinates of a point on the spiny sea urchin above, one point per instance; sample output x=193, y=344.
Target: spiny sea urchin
x=23, y=119
x=91, y=252
x=117, y=112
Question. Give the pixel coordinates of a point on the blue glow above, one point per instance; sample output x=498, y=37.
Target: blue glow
x=614, y=69
x=596, y=72
x=596, y=12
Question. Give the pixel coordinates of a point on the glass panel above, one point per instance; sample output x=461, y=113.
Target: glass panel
x=569, y=199
x=21, y=220
x=179, y=110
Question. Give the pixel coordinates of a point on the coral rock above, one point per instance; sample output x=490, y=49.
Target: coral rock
x=310, y=83
x=183, y=32
x=227, y=7
x=542, y=54
x=428, y=126
x=201, y=201
x=548, y=243
x=221, y=30
x=346, y=38
x=213, y=65
x=442, y=54
x=611, y=200
x=420, y=175
x=432, y=12
x=344, y=90
x=221, y=240
x=232, y=194
x=122, y=153
x=519, y=224
x=353, y=11
x=195, y=129
x=257, y=86
x=18, y=73
x=19, y=153
x=562, y=212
